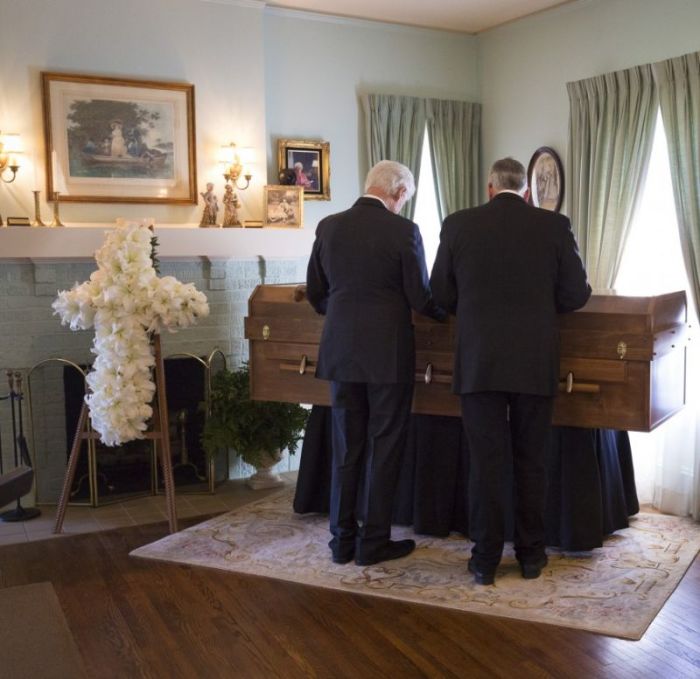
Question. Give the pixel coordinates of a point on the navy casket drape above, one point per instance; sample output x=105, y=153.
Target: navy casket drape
x=591, y=489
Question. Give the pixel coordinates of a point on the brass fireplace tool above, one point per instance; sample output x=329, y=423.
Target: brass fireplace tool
x=14, y=380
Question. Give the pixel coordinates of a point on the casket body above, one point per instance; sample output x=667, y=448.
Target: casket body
x=622, y=359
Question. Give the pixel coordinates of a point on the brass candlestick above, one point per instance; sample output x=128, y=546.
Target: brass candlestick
x=56, y=219
x=37, y=211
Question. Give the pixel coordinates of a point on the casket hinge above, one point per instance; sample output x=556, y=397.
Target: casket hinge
x=621, y=349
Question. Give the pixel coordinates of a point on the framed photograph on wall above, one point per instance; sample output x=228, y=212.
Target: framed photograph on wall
x=310, y=163
x=111, y=140
x=545, y=176
x=283, y=206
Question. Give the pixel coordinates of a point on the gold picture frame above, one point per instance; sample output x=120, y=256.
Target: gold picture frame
x=283, y=206
x=307, y=164
x=118, y=140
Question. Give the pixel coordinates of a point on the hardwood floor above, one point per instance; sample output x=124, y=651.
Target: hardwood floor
x=135, y=618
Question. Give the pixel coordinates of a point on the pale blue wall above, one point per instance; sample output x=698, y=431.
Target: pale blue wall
x=317, y=67
x=216, y=46
x=241, y=58
x=525, y=65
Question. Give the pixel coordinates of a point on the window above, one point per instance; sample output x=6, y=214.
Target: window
x=652, y=264
x=426, y=215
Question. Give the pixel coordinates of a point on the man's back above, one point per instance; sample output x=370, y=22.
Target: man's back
x=366, y=272
x=361, y=255
x=506, y=269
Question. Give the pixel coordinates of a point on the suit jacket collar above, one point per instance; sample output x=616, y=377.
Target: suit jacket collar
x=370, y=202
x=508, y=196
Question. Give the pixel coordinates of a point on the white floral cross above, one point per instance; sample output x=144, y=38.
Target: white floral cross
x=126, y=301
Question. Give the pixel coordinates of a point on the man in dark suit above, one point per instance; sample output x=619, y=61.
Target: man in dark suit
x=506, y=269
x=367, y=271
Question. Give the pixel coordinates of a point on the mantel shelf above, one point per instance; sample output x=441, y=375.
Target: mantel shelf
x=182, y=241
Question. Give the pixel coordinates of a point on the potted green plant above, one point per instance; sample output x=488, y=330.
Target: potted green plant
x=257, y=430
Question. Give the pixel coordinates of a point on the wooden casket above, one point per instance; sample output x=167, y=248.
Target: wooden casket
x=622, y=363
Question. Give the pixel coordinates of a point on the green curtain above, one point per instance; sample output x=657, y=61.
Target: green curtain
x=454, y=129
x=678, y=81
x=395, y=129
x=611, y=129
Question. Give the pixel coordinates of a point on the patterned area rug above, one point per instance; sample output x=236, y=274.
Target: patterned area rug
x=616, y=590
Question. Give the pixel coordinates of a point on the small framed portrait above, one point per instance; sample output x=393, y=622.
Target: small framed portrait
x=545, y=176
x=306, y=164
x=283, y=206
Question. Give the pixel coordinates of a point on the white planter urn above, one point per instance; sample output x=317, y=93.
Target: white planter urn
x=264, y=477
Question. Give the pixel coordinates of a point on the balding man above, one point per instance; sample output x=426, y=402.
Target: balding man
x=506, y=269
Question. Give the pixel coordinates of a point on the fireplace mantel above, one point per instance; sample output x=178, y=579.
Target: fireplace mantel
x=181, y=241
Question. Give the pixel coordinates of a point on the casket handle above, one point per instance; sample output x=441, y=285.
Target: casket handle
x=430, y=376
x=570, y=386
x=302, y=367
x=569, y=382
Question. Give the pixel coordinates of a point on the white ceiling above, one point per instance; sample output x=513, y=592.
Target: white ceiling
x=465, y=16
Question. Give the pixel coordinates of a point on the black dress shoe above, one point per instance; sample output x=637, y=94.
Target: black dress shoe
x=342, y=551
x=394, y=549
x=481, y=577
x=533, y=569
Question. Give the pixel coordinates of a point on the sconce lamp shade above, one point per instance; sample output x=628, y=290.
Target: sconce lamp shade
x=10, y=148
x=11, y=144
x=247, y=155
x=227, y=154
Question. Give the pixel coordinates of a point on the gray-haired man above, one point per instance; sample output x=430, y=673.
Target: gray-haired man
x=366, y=272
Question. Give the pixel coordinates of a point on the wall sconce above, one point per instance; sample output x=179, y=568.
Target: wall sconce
x=230, y=158
x=10, y=148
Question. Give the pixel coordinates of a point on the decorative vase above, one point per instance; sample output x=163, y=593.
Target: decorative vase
x=264, y=477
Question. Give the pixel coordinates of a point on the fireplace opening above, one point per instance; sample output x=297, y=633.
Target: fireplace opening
x=108, y=474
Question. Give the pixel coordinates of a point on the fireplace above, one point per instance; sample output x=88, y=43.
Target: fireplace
x=111, y=474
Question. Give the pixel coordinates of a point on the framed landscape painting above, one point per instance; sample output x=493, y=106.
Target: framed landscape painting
x=111, y=140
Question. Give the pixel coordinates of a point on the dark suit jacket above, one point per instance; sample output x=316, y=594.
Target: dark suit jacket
x=367, y=270
x=506, y=269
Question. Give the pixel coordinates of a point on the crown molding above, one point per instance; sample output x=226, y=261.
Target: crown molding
x=275, y=10
x=248, y=4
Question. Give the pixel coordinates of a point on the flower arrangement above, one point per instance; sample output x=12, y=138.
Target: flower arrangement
x=126, y=301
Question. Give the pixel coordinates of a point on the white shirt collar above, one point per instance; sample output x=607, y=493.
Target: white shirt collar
x=369, y=195
x=510, y=191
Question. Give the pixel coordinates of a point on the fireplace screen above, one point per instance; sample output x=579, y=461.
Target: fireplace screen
x=110, y=474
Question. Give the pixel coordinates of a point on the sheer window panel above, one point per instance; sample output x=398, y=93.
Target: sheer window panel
x=652, y=264
x=426, y=214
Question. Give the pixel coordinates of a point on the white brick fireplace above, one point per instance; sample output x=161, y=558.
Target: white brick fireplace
x=36, y=262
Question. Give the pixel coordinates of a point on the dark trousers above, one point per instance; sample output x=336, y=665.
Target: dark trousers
x=370, y=423
x=499, y=425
